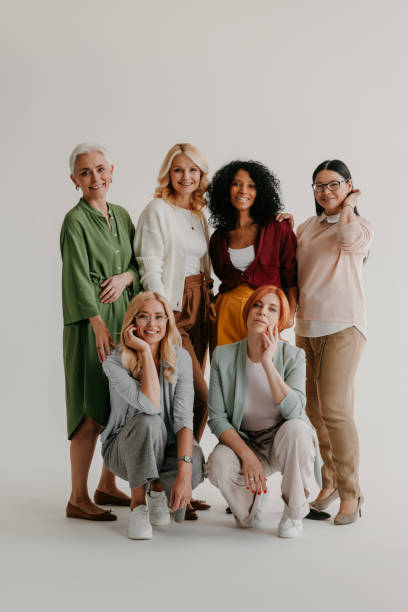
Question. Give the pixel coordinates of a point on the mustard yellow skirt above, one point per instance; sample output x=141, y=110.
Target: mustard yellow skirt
x=229, y=325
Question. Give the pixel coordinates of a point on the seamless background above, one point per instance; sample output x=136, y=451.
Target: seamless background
x=286, y=82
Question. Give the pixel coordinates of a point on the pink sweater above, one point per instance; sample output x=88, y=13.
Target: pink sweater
x=330, y=264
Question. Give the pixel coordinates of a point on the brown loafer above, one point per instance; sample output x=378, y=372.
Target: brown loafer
x=104, y=499
x=75, y=512
x=191, y=514
x=199, y=504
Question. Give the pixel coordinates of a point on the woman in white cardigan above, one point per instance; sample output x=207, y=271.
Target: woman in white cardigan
x=171, y=248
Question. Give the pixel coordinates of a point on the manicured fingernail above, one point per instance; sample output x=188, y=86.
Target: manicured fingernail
x=247, y=488
x=259, y=492
x=264, y=491
x=253, y=491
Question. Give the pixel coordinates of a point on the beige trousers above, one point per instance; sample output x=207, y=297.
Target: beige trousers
x=331, y=365
x=290, y=451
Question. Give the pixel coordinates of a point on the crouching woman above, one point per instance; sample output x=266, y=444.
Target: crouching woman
x=148, y=439
x=257, y=411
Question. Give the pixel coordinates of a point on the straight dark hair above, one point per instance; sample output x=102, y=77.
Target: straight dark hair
x=337, y=166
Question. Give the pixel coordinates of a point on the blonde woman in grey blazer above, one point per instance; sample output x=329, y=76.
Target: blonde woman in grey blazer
x=148, y=439
x=257, y=411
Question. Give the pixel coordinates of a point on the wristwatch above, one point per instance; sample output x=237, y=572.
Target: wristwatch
x=185, y=458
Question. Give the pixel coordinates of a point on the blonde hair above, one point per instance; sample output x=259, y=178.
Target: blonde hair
x=131, y=358
x=164, y=189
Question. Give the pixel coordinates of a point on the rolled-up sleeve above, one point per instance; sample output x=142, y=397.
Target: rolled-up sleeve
x=287, y=257
x=78, y=292
x=355, y=236
x=183, y=398
x=126, y=386
x=218, y=420
x=293, y=404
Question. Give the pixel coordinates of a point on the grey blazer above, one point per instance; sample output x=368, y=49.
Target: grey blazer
x=226, y=400
x=127, y=398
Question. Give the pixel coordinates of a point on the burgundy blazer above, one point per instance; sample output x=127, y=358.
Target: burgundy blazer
x=274, y=263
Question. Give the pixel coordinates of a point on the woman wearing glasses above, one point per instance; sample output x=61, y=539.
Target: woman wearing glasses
x=331, y=328
x=99, y=278
x=149, y=436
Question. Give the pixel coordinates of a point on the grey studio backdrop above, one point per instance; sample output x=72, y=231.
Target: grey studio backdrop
x=288, y=83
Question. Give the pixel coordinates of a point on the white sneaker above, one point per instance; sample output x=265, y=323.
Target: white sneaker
x=290, y=528
x=256, y=521
x=139, y=524
x=159, y=512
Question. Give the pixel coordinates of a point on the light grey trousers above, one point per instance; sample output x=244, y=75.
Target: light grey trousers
x=139, y=453
x=289, y=450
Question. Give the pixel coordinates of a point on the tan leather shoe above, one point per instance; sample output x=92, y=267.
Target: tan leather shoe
x=322, y=504
x=345, y=519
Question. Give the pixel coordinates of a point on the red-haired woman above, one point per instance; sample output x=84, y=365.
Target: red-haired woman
x=257, y=411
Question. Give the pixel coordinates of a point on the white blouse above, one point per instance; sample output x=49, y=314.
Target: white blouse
x=260, y=411
x=195, y=245
x=242, y=258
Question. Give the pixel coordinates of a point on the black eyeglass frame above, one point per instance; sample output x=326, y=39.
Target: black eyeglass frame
x=323, y=185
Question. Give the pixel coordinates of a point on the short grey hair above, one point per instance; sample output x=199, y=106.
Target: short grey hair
x=86, y=147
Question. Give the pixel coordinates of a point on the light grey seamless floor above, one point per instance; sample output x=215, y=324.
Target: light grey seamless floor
x=54, y=563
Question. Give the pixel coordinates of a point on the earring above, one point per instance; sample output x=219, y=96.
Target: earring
x=110, y=180
x=77, y=188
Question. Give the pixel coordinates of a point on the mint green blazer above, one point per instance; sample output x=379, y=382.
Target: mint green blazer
x=226, y=400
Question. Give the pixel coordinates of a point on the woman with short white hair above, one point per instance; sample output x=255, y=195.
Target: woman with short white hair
x=99, y=278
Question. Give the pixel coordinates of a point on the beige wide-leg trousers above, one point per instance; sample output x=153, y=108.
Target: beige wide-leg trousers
x=290, y=451
x=331, y=365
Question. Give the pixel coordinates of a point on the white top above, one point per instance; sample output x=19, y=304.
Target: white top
x=260, y=411
x=159, y=247
x=242, y=258
x=195, y=245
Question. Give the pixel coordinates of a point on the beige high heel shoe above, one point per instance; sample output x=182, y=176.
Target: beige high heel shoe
x=345, y=519
x=322, y=504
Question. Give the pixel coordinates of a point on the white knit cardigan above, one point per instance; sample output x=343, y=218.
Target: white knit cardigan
x=160, y=254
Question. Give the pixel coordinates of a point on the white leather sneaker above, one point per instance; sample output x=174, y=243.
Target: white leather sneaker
x=256, y=521
x=159, y=512
x=290, y=528
x=139, y=524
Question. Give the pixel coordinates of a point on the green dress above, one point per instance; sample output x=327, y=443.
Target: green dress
x=91, y=253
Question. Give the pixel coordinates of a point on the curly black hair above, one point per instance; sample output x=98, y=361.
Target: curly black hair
x=267, y=203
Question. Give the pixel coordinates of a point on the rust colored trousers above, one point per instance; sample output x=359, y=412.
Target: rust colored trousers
x=193, y=324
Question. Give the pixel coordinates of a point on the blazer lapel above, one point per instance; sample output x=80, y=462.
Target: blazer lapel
x=240, y=384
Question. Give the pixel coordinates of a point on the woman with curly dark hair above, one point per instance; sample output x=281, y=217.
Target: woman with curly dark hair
x=250, y=247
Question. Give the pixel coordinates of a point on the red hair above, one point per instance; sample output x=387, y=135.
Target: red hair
x=284, y=311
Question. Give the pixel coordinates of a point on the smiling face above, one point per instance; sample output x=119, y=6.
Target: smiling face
x=92, y=174
x=242, y=191
x=331, y=201
x=151, y=322
x=184, y=175
x=264, y=313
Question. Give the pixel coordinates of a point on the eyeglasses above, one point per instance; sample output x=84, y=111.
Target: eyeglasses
x=332, y=186
x=144, y=319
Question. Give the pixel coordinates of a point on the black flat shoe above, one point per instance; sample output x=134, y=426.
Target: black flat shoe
x=315, y=515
